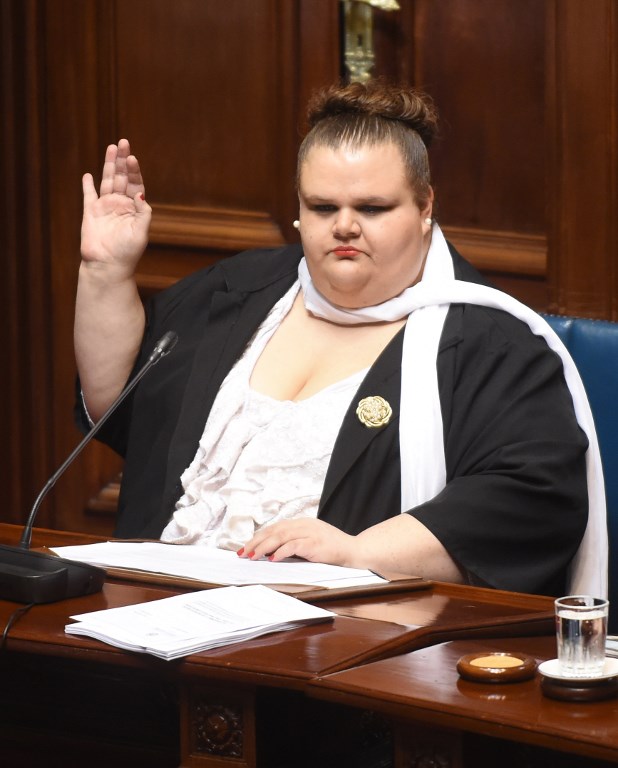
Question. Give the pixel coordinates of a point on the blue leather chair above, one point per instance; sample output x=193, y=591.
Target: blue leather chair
x=593, y=345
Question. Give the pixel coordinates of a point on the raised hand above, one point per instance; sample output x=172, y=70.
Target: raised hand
x=109, y=315
x=115, y=223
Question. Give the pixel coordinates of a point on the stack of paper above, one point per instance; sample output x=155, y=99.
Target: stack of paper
x=189, y=623
x=215, y=566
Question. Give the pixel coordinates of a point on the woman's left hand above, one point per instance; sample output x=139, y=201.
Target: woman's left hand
x=309, y=538
x=401, y=544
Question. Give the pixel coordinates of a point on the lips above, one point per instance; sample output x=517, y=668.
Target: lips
x=345, y=250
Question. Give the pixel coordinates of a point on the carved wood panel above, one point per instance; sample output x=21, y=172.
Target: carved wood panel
x=420, y=746
x=217, y=726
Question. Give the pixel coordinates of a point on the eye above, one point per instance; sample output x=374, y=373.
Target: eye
x=323, y=208
x=373, y=210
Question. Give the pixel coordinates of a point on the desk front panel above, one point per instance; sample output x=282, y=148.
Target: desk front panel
x=224, y=699
x=422, y=690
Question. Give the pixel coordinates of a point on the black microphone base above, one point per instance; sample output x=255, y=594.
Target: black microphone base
x=35, y=577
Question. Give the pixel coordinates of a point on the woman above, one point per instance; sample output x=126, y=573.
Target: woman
x=309, y=402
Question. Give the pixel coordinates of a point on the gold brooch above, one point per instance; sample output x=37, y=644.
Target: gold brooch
x=374, y=411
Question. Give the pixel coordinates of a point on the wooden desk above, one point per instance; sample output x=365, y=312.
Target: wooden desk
x=433, y=710
x=216, y=708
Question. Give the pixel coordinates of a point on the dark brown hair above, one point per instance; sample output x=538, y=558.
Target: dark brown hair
x=375, y=113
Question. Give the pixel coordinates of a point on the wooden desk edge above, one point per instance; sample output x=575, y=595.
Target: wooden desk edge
x=434, y=714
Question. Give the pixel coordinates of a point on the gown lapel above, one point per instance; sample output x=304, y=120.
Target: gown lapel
x=383, y=379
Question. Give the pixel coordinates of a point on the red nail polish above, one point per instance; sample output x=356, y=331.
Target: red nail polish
x=271, y=558
x=251, y=554
x=142, y=197
x=241, y=552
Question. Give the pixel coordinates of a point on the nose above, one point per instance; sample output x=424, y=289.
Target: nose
x=345, y=224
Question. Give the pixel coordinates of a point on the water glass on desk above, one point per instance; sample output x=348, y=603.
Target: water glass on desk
x=581, y=632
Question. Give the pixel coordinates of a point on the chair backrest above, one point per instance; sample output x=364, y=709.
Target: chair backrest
x=593, y=345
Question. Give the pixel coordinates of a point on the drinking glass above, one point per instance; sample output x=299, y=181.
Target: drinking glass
x=581, y=631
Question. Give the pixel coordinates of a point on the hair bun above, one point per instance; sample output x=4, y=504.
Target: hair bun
x=376, y=98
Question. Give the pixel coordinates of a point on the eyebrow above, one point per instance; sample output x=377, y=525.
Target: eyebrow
x=370, y=200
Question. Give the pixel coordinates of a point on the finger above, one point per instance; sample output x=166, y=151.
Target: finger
x=135, y=183
x=124, y=148
x=109, y=168
x=90, y=193
x=278, y=555
x=246, y=551
x=268, y=546
x=256, y=551
x=292, y=548
x=141, y=206
x=257, y=544
x=120, y=169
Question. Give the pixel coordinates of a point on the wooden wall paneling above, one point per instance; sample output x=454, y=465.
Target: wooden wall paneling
x=582, y=74
x=309, y=58
x=10, y=389
x=25, y=393
x=394, y=40
x=210, y=97
x=77, y=103
x=527, y=93
x=203, y=118
x=319, y=45
x=483, y=63
x=217, y=125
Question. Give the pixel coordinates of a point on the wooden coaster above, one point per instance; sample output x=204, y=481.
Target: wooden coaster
x=572, y=690
x=597, y=688
x=496, y=667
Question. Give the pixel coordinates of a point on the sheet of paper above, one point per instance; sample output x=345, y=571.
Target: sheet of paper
x=214, y=566
x=188, y=623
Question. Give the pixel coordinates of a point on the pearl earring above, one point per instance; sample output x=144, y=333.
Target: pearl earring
x=296, y=224
x=429, y=221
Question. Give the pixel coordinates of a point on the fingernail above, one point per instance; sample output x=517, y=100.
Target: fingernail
x=241, y=552
x=271, y=558
x=251, y=554
x=141, y=196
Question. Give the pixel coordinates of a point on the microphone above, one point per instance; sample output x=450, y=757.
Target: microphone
x=36, y=577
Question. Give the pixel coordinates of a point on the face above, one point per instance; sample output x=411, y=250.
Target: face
x=364, y=237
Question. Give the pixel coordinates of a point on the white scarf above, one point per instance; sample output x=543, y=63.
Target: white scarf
x=423, y=466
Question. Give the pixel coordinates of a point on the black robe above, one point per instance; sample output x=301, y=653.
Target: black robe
x=515, y=505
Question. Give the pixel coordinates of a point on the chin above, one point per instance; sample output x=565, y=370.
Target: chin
x=350, y=300
x=345, y=296
x=349, y=290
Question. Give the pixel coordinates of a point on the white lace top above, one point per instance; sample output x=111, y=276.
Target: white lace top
x=259, y=459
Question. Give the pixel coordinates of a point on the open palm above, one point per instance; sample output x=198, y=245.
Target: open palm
x=115, y=223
